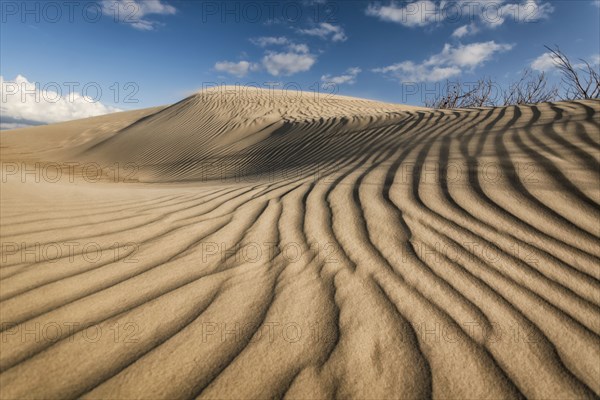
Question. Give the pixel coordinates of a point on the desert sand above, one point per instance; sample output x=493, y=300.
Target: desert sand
x=246, y=243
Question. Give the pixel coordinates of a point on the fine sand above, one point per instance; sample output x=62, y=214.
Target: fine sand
x=245, y=243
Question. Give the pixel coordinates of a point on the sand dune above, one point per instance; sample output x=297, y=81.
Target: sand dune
x=264, y=244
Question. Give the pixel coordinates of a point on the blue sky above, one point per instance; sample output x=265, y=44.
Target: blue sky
x=158, y=51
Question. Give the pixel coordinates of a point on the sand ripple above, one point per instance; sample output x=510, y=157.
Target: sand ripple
x=277, y=245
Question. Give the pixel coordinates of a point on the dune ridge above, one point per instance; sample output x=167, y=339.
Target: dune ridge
x=287, y=245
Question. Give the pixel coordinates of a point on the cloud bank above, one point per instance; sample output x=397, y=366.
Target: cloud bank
x=449, y=63
x=25, y=103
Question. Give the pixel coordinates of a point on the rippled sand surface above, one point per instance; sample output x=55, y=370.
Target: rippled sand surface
x=260, y=244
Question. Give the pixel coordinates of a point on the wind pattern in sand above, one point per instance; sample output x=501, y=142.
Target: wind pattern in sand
x=289, y=246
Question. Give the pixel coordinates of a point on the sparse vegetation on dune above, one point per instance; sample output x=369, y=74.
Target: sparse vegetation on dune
x=579, y=81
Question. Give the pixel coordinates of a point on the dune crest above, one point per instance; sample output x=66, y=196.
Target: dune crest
x=237, y=129
x=279, y=244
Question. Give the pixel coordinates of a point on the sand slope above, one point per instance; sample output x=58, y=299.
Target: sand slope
x=270, y=244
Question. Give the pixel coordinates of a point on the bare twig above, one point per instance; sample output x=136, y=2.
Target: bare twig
x=530, y=89
x=579, y=82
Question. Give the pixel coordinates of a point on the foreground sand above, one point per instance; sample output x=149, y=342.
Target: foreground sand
x=261, y=245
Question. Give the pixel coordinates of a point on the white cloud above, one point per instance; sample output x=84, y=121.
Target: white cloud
x=298, y=48
x=348, y=77
x=418, y=13
x=450, y=62
x=326, y=30
x=239, y=69
x=469, y=56
x=465, y=30
x=288, y=63
x=545, y=62
x=296, y=59
x=4, y=126
x=460, y=32
x=491, y=13
x=132, y=12
x=265, y=41
x=26, y=103
x=548, y=62
x=408, y=71
x=527, y=11
x=593, y=61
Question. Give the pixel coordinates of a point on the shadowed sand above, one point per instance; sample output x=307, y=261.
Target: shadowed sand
x=259, y=244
